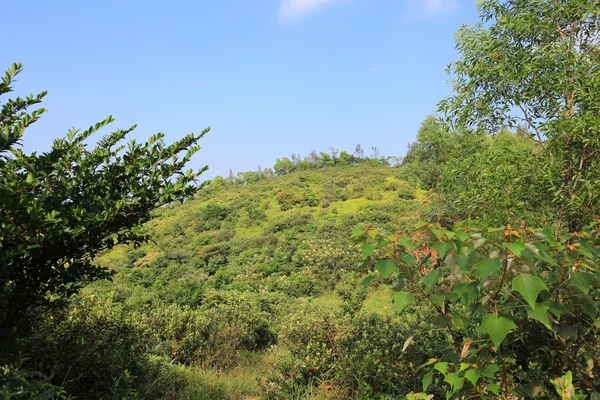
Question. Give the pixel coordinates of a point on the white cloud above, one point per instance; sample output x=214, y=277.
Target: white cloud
x=297, y=8
x=430, y=7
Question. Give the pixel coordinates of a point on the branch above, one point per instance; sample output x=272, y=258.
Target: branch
x=537, y=131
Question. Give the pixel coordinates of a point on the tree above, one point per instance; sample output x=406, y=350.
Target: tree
x=537, y=63
x=62, y=208
x=429, y=154
x=284, y=166
x=359, y=152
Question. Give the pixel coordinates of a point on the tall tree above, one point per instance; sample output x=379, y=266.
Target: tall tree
x=537, y=63
x=59, y=209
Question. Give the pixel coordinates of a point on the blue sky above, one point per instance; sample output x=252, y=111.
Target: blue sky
x=271, y=77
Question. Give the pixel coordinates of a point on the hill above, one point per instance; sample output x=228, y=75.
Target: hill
x=226, y=286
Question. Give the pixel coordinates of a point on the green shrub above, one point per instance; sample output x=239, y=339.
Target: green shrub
x=287, y=199
x=364, y=356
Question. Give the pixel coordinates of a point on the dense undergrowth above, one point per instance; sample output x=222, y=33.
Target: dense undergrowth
x=245, y=282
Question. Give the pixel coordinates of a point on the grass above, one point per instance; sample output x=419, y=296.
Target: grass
x=379, y=300
x=239, y=383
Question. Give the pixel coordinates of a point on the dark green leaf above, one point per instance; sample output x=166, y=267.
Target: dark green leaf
x=432, y=278
x=581, y=281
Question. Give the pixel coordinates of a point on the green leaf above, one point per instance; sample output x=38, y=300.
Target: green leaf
x=487, y=267
x=367, y=281
x=441, y=366
x=357, y=233
x=455, y=381
x=427, y=379
x=489, y=370
x=372, y=233
x=586, y=252
x=438, y=233
x=409, y=259
x=464, y=263
x=540, y=313
x=431, y=278
x=472, y=376
x=437, y=299
x=516, y=248
x=497, y=327
x=463, y=236
x=471, y=293
x=581, y=281
x=529, y=286
x=386, y=267
x=403, y=300
x=367, y=249
x=442, y=248
x=492, y=387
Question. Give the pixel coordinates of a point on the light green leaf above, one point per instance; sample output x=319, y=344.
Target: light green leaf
x=442, y=248
x=455, y=381
x=489, y=370
x=386, y=267
x=441, y=366
x=403, y=300
x=472, y=376
x=540, y=313
x=581, y=281
x=488, y=266
x=497, y=327
x=357, y=233
x=438, y=233
x=529, y=286
x=367, y=249
x=516, y=248
x=463, y=236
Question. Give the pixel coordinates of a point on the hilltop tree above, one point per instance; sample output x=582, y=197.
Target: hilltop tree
x=61, y=208
x=537, y=63
x=430, y=153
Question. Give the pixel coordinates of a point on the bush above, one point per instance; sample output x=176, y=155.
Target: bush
x=90, y=350
x=300, y=284
x=362, y=356
x=287, y=199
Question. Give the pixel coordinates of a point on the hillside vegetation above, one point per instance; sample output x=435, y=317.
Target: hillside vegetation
x=470, y=270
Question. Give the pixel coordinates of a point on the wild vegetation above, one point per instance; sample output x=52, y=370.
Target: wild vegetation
x=468, y=270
